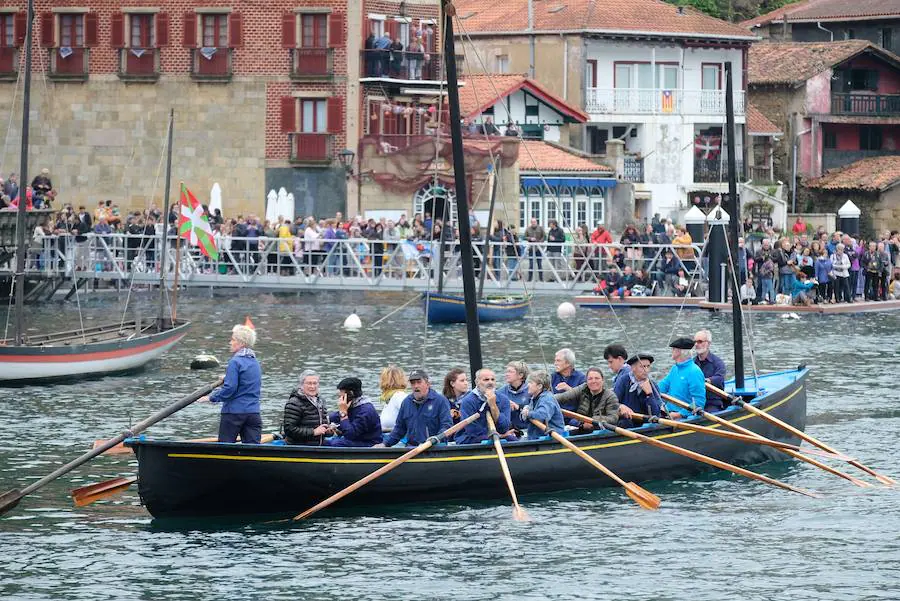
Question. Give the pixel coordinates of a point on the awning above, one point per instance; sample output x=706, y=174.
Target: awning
x=572, y=182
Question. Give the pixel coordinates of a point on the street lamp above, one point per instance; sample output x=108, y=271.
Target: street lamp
x=346, y=157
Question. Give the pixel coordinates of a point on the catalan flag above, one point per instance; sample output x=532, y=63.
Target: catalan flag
x=668, y=101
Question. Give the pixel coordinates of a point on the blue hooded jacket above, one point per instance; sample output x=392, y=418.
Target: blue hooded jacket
x=478, y=430
x=519, y=397
x=686, y=382
x=544, y=408
x=417, y=421
x=361, y=427
x=243, y=382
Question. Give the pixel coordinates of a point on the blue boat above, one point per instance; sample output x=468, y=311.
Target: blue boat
x=448, y=308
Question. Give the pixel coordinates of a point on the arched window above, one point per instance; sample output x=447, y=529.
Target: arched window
x=436, y=200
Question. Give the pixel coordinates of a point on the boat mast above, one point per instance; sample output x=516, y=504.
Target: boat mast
x=734, y=209
x=165, y=225
x=21, y=250
x=462, y=196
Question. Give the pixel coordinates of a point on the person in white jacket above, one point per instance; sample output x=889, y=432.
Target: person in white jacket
x=841, y=269
x=394, y=385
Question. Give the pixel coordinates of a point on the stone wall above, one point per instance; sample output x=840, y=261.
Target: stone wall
x=106, y=140
x=879, y=212
x=779, y=104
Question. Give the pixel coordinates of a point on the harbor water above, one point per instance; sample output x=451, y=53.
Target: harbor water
x=715, y=536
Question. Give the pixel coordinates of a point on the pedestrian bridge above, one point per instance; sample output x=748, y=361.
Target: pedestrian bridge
x=117, y=260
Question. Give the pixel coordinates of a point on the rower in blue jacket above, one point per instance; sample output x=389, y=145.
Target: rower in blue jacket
x=543, y=407
x=478, y=400
x=423, y=413
x=640, y=394
x=685, y=380
x=515, y=392
x=713, y=369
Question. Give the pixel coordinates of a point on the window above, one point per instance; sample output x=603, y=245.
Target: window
x=502, y=63
x=313, y=116
x=532, y=108
x=215, y=31
x=862, y=79
x=666, y=77
x=7, y=30
x=141, y=30
x=634, y=75
x=596, y=206
x=870, y=137
x=849, y=34
x=711, y=77
x=887, y=39
x=376, y=26
x=829, y=140
x=314, y=30
x=590, y=74
x=71, y=30
x=403, y=32
x=619, y=132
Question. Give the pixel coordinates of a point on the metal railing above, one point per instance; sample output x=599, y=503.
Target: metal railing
x=865, y=104
x=348, y=263
x=660, y=101
x=212, y=63
x=139, y=63
x=311, y=147
x=69, y=63
x=409, y=66
x=715, y=170
x=634, y=169
x=9, y=61
x=312, y=63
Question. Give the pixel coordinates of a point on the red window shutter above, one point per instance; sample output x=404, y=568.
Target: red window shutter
x=235, y=33
x=20, y=24
x=289, y=30
x=336, y=30
x=162, y=29
x=90, y=29
x=190, y=30
x=288, y=114
x=48, y=33
x=335, y=115
x=117, y=31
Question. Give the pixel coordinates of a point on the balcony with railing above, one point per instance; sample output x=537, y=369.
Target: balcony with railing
x=628, y=101
x=212, y=64
x=634, y=169
x=139, y=64
x=715, y=170
x=866, y=104
x=69, y=64
x=405, y=66
x=310, y=64
x=9, y=63
x=311, y=148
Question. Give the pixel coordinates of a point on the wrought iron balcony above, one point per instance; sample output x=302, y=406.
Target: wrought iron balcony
x=634, y=169
x=715, y=170
x=865, y=104
x=315, y=148
x=212, y=64
x=312, y=63
x=139, y=64
x=69, y=64
x=406, y=66
x=622, y=101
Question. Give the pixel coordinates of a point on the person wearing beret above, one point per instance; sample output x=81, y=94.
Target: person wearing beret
x=640, y=393
x=356, y=421
x=685, y=381
x=423, y=413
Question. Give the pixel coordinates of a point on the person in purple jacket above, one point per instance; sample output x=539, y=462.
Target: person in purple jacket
x=356, y=422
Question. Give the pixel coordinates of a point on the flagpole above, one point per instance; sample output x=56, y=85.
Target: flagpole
x=163, y=259
x=177, y=244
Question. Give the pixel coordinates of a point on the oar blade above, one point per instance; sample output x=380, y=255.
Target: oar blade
x=826, y=454
x=9, y=500
x=642, y=496
x=520, y=515
x=885, y=480
x=119, y=449
x=96, y=492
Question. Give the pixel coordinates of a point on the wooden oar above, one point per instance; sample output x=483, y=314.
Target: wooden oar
x=799, y=433
x=639, y=495
x=102, y=490
x=519, y=514
x=11, y=498
x=696, y=456
x=802, y=457
x=390, y=466
x=761, y=440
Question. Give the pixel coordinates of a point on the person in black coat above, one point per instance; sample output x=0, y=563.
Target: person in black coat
x=305, y=421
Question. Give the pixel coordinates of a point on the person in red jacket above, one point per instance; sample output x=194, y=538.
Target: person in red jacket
x=601, y=236
x=799, y=226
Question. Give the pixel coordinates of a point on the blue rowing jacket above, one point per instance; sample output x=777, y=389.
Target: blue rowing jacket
x=518, y=396
x=478, y=430
x=544, y=408
x=417, y=421
x=713, y=369
x=685, y=382
x=243, y=381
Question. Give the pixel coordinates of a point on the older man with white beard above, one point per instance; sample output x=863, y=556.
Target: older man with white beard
x=482, y=397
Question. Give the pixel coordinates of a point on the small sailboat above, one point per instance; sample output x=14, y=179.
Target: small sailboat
x=109, y=348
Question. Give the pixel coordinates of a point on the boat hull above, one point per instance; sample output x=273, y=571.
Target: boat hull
x=447, y=308
x=24, y=364
x=182, y=479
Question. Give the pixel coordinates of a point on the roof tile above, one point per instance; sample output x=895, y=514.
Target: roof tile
x=482, y=90
x=536, y=155
x=793, y=62
x=872, y=175
x=829, y=10
x=638, y=16
x=759, y=124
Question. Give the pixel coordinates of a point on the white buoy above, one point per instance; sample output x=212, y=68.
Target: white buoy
x=565, y=310
x=352, y=322
x=204, y=362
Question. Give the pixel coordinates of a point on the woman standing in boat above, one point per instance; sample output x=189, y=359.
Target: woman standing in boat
x=305, y=421
x=239, y=394
x=356, y=419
